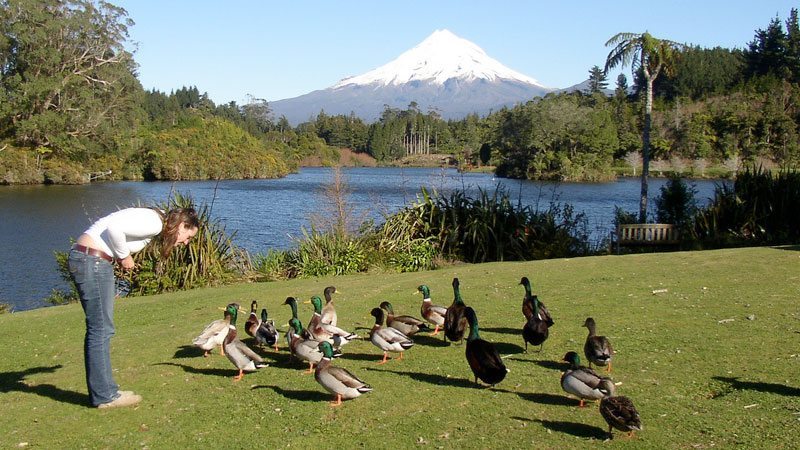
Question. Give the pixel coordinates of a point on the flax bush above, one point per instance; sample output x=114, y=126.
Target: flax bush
x=486, y=228
x=418, y=254
x=760, y=208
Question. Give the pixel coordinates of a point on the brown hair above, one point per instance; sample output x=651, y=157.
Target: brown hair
x=169, y=233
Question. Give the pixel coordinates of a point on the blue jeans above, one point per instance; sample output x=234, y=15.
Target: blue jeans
x=94, y=278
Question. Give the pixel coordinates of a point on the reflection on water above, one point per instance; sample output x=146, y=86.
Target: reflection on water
x=264, y=214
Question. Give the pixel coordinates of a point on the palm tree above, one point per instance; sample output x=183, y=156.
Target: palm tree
x=652, y=56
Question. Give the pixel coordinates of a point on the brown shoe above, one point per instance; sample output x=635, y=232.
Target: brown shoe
x=126, y=398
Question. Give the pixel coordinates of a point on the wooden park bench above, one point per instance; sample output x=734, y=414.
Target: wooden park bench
x=647, y=234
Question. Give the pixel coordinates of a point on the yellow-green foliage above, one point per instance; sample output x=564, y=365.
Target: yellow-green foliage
x=211, y=148
x=24, y=165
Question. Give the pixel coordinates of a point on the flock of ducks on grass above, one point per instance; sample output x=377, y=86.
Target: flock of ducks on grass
x=322, y=340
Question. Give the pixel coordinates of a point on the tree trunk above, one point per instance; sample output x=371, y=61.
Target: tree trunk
x=648, y=112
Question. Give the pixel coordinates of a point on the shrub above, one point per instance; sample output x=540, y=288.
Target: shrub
x=63, y=297
x=418, y=255
x=64, y=172
x=486, y=228
x=321, y=254
x=622, y=217
x=19, y=166
x=676, y=203
x=273, y=266
x=760, y=208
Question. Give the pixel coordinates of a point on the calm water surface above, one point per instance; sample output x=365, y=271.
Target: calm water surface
x=36, y=221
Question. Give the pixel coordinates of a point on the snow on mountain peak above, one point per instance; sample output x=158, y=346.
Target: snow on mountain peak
x=440, y=57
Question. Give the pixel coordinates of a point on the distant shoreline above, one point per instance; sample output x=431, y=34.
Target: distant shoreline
x=658, y=169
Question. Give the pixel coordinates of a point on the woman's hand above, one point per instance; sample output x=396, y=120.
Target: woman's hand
x=127, y=263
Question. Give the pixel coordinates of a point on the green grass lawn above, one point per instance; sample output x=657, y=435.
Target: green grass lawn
x=710, y=360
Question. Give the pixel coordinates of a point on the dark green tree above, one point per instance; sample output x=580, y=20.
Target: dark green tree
x=766, y=53
x=623, y=111
x=793, y=45
x=66, y=80
x=701, y=73
x=676, y=204
x=342, y=131
x=621, y=89
x=466, y=137
x=598, y=81
x=562, y=137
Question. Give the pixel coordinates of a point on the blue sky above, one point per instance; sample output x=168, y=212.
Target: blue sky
x=282, y=49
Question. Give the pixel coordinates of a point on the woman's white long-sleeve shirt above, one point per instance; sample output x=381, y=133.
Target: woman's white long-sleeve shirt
x=125, y=231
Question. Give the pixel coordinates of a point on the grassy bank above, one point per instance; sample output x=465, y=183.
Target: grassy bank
x=710, y=359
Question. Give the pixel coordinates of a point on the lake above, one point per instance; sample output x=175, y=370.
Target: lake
x=264, y=214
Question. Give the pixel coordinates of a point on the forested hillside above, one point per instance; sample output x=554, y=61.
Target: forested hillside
x=72, y=110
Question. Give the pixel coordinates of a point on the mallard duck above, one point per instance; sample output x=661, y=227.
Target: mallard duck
x=336, y=380
x=214, y=333
x=434, y=314
x=329, y=310
x=619, y=412
x=253, y=321
x=266, y=333
x=405, y=324
x=245, y=359
x=388, y=339
x=482, y=356
x=324, y=331
x=454, y=321
x=527, y=304
x=582, y=381
x=301, y=348
x=292, y=302
x=597, y=349
x=535, y=331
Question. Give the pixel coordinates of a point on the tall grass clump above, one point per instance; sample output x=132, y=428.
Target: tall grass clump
x=209, y=259
x=273, y=266
x=315, y=254
x=332, y=245
x=319, y=254
x=487, y=228
x=760, y=208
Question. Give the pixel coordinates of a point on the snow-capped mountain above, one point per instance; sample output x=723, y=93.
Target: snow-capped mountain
x=440, y=57
x=444, y=73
